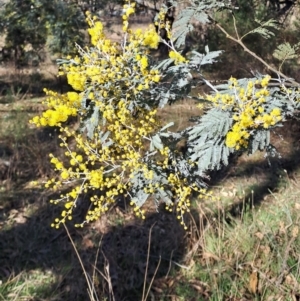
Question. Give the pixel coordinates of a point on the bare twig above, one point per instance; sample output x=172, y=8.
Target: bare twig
x=108, y=278
x=96, y=259
x=234, y=24
x=240, y=42
x=91, y=289
x=151, y=282
x=147, y=264
x=170, y=264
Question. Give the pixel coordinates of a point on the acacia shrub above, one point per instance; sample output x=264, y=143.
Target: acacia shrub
x=122, y=147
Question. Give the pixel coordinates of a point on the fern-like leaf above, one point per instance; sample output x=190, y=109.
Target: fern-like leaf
x=260, y=141
x=285, y=52
x=198, y=11
x=206, y=141
x=264, y=28
x=199, y=59
x=182, y=26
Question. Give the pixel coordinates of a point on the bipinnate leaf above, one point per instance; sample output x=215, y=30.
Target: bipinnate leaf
x=260, y=141
x=206, y=141
x=264, y=28
x=197, y=11
x=199, y=59
x=285, y=52
x=140, y=198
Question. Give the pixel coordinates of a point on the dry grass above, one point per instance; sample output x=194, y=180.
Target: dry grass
x=243, y=248
x=31, y=251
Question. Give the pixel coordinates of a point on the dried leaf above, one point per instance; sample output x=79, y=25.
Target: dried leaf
x=171, y=282
x=267, y=250
x=259, y=235
x=198, y=288
x=207, y=255
x=291, y=281
x=295, y=232
x=224, y=193
x=20, y=219
x=157, y=289
x=87, y=243
x=198, y=283
x=253, y=282
x=297, y=206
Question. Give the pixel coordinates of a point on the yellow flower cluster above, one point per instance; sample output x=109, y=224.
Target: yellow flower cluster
x=177, y=57
x=113, y=77
x=148, y=38
x=249, y=110
x=183, y=192
x=128, y=10
x=61, y=108
x=113, y=64
x=161, y=23
x=100, y=167
x=95, y=32
x=107, y=63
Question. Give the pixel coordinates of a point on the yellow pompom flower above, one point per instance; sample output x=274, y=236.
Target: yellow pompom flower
x=177, y=57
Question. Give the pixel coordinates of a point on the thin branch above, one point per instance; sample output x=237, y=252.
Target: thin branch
x=235, y=28
x=147, y=264
x=96, y=259
x=151, y=282
x=238, y=41
x=91, y=288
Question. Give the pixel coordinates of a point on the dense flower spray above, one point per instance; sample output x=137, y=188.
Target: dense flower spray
x=111, y=156
x=249, y=108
